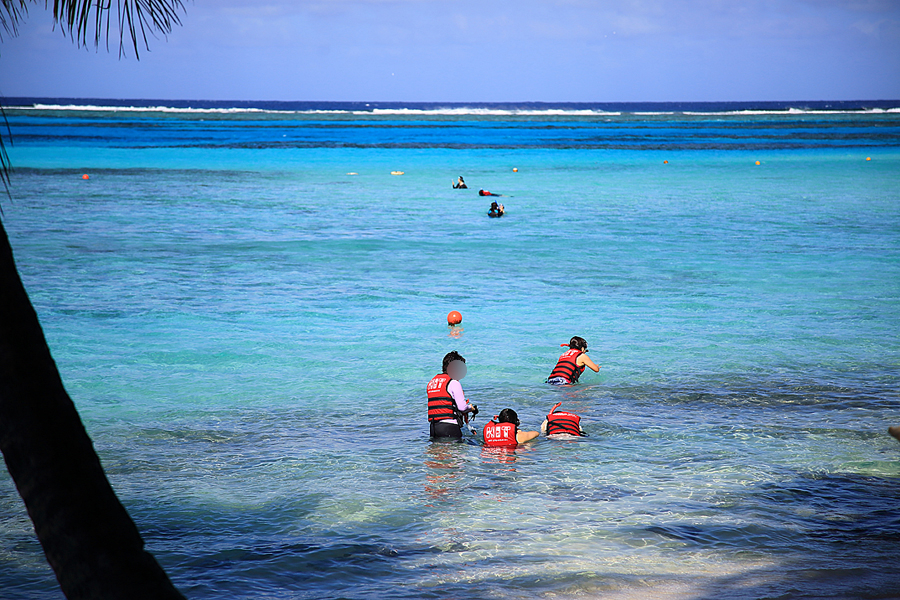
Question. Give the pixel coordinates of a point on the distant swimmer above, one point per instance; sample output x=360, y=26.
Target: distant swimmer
x=487, y=193
x=560, y=422
x=447, y=404
x=504, y=432
x=497, y=210
x=460, y=184
x=571, y=364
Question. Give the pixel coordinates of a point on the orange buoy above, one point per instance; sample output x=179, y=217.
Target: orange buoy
x=454, y=318
x=85, y=176
x=515, y=169
x=665, y=162
x=757, y=162
x=868, y=158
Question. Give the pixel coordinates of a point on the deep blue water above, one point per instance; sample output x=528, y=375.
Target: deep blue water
x=246, y=305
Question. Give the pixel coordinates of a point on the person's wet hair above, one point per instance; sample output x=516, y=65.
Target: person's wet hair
x=508, y=415
x=578, y=343
x=450, y=357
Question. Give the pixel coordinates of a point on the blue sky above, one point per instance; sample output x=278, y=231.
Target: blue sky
x=482, y=51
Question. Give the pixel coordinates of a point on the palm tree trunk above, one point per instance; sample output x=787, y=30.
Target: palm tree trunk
x=88, y=537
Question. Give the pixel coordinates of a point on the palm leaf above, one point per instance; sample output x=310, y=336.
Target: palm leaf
x=11, y=13
x=84, y=19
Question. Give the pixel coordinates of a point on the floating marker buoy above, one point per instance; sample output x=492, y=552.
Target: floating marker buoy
x=85, y=176
x=665, y=162
x=515, y=169
x=868, y=158
x=757, y=162
x=396, y=172
x=454, y=318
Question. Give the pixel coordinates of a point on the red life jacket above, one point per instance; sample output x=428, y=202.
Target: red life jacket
x=563, y=422
x=500, y=434
x=567, y=367
x=440, y=403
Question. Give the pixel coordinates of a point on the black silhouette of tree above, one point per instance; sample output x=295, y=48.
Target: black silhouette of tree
x=89, y=539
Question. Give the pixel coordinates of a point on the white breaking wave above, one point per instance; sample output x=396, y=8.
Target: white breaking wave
x=164, y=109
x=449, y=111
x=461, y=111
x=501, y=112
x=795, y=112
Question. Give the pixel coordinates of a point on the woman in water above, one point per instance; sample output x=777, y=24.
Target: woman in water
x=496, y=210
x=460, y=184
x=447, y=404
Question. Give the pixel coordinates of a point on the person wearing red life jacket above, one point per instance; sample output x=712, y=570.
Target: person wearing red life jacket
x=560, y=422
x=571, y=364
x=447, y=404
x=504, y=432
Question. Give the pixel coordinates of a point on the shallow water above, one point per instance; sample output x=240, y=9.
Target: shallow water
x=247, y=331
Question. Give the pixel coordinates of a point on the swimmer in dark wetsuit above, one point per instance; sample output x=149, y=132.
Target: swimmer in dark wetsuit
x=460, y=184
x=496, y=210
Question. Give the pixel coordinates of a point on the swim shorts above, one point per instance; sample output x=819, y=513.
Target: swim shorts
x=445, y=430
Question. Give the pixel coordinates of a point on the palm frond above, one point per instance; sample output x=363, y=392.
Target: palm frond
x=5, y=165
x=12, y=12
x=83, y=19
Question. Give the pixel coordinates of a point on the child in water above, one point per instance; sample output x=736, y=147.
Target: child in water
x=505, y=431
x=571, y=364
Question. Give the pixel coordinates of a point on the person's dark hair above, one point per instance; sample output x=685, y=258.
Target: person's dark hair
x=450, y=357
x=578, y=343
x=460, y=178
x=508, y=415
x=494, y=205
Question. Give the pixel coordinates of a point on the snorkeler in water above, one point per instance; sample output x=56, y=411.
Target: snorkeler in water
x=571, y=364
x=496, y=210
x=504, y=432
x=561, y=422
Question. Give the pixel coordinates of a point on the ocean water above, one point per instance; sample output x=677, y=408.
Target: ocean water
x=245, y=306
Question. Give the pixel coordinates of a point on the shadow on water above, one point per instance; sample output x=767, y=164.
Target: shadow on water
x=842, y=544
x=794, y=535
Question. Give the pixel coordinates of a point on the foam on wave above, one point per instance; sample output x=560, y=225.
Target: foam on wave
x=453, y=111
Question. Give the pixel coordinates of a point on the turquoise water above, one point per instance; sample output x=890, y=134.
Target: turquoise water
x=247, y=331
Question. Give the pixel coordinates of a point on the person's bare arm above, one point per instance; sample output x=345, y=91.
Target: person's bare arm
x=584, y=359
x=526, y=436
